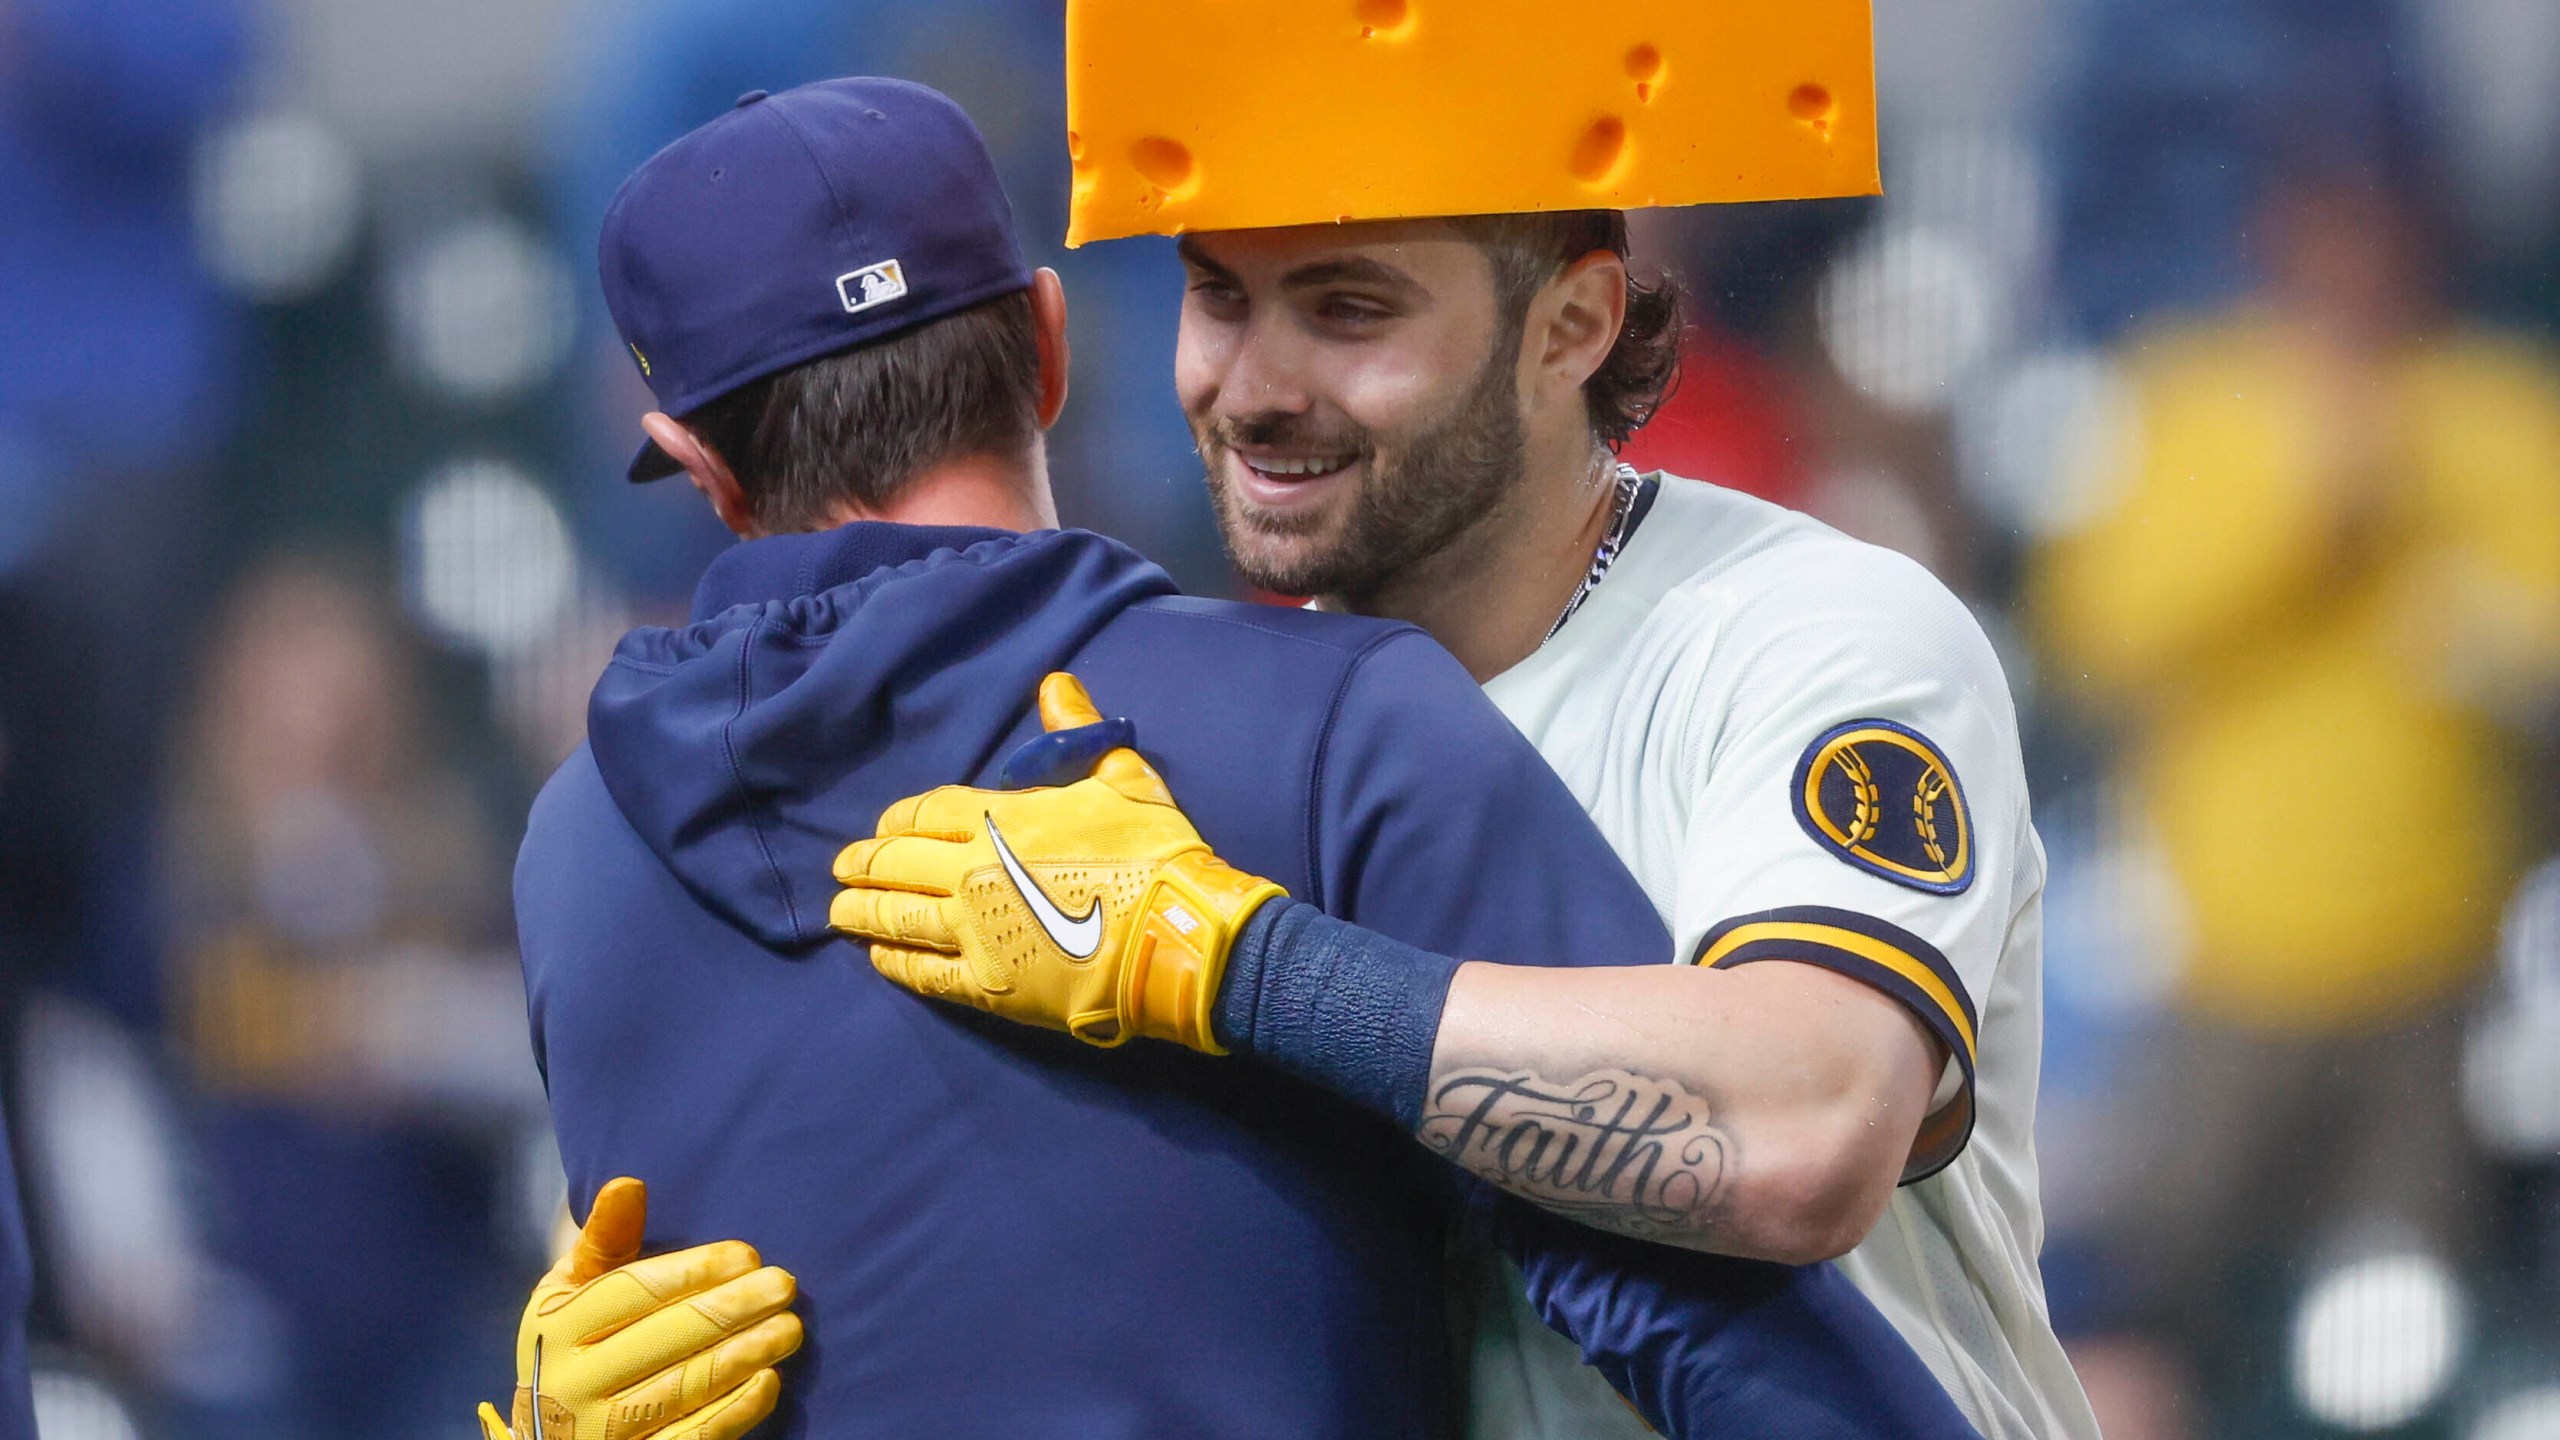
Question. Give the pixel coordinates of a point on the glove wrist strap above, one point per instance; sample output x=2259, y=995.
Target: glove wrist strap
x=1194, y=910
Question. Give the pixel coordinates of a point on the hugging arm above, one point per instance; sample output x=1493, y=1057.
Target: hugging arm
x=1709, y=1345
x=1188, y=950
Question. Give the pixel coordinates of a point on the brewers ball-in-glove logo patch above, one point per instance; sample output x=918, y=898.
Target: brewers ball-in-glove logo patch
x=1882, y=797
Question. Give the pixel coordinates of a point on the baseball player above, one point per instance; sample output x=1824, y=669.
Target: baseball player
x=1802, y=746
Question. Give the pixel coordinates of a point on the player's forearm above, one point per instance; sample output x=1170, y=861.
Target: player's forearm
x=1690, y=1106
x=1706, y=1109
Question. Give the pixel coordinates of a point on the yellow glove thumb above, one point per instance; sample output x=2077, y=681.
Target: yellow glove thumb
x=1064, y=705
x=611, y=1237
x=491, y=1427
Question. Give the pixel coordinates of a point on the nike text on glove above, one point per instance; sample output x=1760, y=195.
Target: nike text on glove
x=678, y=1346
x=1093, y=908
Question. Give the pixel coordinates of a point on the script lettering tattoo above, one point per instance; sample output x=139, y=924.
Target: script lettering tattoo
x=1614, y=1149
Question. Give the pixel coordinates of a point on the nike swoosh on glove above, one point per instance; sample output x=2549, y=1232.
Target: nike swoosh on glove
x=1093, y=908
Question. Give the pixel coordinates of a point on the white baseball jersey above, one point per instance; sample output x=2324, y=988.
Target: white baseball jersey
x=1805, y=749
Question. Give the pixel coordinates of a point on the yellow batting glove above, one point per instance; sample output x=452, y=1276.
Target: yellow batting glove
x=673, y=1347
x=1092, y=908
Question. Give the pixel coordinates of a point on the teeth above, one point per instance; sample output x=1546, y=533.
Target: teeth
x=1299, y=467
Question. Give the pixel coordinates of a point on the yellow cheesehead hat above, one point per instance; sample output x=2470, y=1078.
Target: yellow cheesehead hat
x=1240, y=114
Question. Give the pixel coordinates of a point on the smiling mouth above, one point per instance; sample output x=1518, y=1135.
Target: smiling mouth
x=1297, y=468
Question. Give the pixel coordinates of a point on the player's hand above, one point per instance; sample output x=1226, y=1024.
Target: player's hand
x=1092, y=908
x=674, y=1347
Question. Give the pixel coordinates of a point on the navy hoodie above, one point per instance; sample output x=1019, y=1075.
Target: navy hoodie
x=1000, y=1232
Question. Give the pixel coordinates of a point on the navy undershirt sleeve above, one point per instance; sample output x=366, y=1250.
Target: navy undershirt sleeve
x=1711, y=1345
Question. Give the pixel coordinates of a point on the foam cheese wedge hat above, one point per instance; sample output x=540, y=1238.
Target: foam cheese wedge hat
x=1241, y=114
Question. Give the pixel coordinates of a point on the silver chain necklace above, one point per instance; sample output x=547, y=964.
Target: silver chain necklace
x=1622, y=514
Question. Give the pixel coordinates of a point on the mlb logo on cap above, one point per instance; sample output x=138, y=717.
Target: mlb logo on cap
x=872, y=285
x=797, y=225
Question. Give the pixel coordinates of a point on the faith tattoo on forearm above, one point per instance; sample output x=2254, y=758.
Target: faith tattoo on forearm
x=1626, y=1152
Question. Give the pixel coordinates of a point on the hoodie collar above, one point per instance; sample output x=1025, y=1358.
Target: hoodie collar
x=781, y=567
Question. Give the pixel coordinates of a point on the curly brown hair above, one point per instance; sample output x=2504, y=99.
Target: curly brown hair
x=1528, y=250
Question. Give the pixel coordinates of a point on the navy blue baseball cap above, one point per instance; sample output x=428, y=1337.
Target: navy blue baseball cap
x=797, y=225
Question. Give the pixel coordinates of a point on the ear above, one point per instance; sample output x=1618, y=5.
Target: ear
x=703, y=466
x=1573, y=323
x=1049, y=330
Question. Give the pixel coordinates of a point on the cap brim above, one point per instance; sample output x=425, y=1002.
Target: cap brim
x=652, y=463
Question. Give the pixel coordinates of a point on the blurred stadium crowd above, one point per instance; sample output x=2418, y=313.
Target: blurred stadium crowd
x=2206, y=346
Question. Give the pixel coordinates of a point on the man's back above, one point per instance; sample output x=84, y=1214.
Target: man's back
x=1156, y=1244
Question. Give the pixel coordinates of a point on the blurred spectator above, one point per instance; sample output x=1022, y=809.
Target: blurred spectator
x=1732, y=420
x=114, y=373
x=117, y=340
x=1754, y=407
x=347, y=1008
x=2175, y=121
x=2319, y=595
x=117, y=360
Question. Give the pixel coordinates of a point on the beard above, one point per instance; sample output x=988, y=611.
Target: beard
x=1423, y=490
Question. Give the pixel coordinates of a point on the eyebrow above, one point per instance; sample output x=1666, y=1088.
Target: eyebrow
x=1344, y=270
x=1351, y=270
x=1192, y=255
